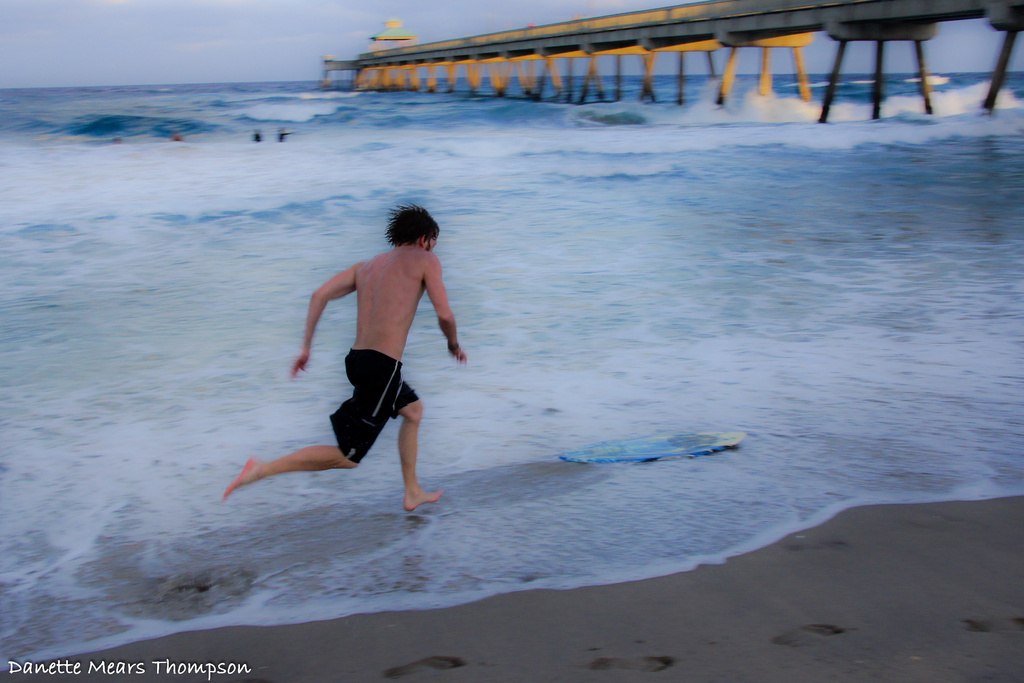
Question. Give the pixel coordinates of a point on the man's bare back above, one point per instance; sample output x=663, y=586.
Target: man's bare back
x=389, y=288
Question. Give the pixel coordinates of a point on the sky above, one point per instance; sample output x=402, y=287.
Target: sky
x=61, y=43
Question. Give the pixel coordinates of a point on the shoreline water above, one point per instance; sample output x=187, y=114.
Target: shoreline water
x=906, y=592
x=849, y=295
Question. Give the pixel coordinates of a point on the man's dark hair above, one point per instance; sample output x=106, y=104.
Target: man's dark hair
x=408, y=222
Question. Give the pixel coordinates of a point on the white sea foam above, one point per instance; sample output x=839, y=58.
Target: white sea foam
x=933, y=79
x=295, y=113
x=957, y=113
x=328, y=95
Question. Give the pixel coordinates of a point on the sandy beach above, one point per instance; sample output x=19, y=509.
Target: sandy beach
x=927, y=592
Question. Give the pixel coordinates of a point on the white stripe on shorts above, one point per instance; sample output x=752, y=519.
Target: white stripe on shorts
x=386, y=387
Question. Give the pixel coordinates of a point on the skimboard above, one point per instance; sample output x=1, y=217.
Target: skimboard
x=661, y=447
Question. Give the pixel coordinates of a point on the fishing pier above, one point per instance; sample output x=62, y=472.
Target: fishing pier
x=537, y=55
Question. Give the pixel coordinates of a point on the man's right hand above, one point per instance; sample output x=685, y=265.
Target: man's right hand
x=300, y=363
x=458, y=354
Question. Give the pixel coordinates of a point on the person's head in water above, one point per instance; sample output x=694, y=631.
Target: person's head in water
x=408, y=223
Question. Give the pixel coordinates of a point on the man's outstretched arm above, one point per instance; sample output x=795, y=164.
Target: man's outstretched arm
x=439, y=298
x=338, y=286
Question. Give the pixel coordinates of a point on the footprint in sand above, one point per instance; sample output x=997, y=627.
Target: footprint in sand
x=426, y=664
x=807, y=635
x=994, y=625
x=632, y=663
x=835, y=544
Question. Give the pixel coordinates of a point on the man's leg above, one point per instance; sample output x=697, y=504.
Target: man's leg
x=309, y=459
x=408, y=444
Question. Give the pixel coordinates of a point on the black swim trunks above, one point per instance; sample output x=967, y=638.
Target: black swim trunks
x=378, y=396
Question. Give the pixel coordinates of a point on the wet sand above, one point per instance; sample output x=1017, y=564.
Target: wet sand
x=930, y=593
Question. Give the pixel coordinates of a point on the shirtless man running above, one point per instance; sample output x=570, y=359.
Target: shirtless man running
x=388, y=289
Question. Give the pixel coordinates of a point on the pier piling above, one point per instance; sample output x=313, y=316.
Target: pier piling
x=538, y=93
x=922, y=70
x=801, y=74
x=833, y=81
x=593, y=76
x=681, y=79
x=647, y=92
x=725, y=87
x=999, y=74
x=878, y=91
x=556, y=78
x=766, y=74
x=452, y=70
x=568, y=79
x=1004, y=16
x=618, y=77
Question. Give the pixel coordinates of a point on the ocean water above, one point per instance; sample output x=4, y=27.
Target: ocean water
x=849, y=294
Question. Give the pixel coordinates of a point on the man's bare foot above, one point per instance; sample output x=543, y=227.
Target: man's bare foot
x=249, y=474
x=414, y=500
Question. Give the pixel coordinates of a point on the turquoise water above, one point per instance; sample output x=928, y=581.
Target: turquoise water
x=849, y=295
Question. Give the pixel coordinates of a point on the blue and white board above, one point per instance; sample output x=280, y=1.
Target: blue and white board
x=656, y=447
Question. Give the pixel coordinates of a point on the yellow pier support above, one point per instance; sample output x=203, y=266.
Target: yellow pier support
x=368, y=79
x=539, y=92
x=648, y=58
x=556, y=77
x=567, y=86
x=431, y=78
x=725, y=87
x=648, y=90
x=550, y=68
x=453, y=74
x=499, y=70
x=473, y=74
x=414, y=78
x=593, y=76
x=797, y=42
x=525, y=72
x=765, y=85
x=385, y=78
x=801, y=74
